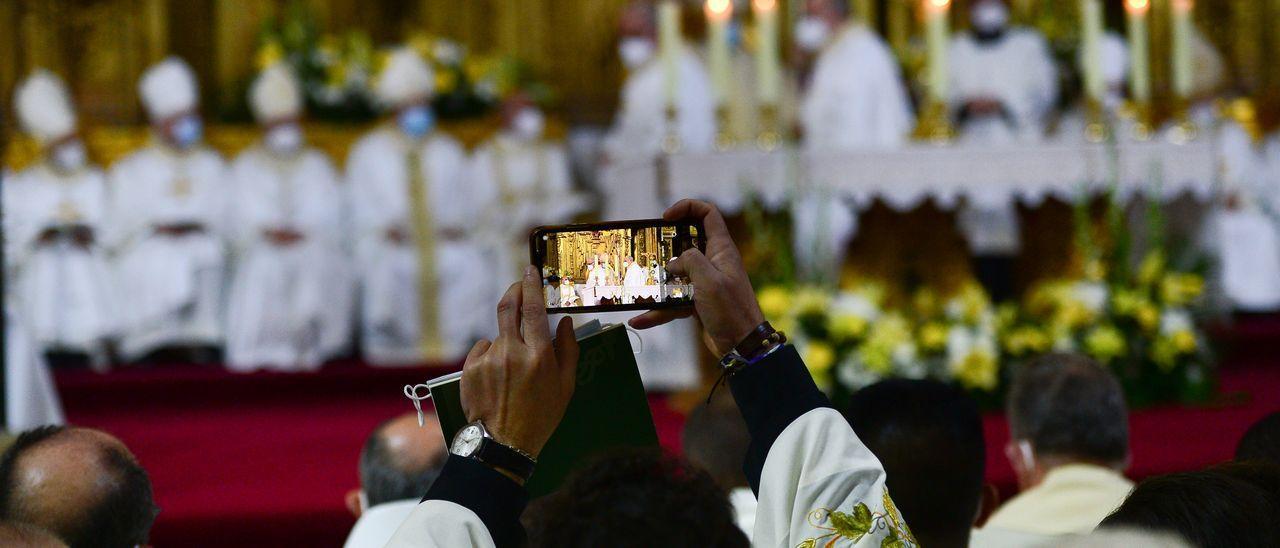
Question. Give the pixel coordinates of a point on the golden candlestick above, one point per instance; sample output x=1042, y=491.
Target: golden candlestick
x=934, y=125
x=1140, y=114
x=724, y=137
x=1097, y=127
x=1184, y=129
x=769, y=137
x=671, y=141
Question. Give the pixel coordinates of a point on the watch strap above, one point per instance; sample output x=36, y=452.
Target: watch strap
x=508, y=458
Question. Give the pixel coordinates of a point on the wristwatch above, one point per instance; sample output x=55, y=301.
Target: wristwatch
x=475, y=442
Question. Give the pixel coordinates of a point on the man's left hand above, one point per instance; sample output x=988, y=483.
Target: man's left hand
x=520, y=384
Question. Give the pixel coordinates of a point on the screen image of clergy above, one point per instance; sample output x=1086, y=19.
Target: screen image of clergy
x=621, y=266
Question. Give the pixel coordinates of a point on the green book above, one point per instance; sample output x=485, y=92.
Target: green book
x=609, y=408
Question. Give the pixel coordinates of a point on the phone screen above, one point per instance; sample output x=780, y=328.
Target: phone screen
x=614, y=266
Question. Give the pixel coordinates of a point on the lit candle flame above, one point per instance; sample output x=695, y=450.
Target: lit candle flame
x=764, y=5
x=1137, y=6
x=719, y=9
x=937, y=6
x=1183, y=6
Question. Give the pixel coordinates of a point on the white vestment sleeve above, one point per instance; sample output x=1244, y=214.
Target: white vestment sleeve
x=440, y=523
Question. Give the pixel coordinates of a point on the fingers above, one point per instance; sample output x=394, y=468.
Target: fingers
x=700, y=269
x=509, y=313
x=654, y=318
x=533, y=312
x=712, y=221
x=477, y=350
x=675, y=267
x=566, y=347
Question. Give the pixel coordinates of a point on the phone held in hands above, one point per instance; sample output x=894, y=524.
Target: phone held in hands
x=620, y=265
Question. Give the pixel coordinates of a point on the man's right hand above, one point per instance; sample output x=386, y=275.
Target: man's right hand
x=724, y=301
x=396, y=235
x=178, y=229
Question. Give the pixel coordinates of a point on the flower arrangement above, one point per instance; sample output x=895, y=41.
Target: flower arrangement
x=337, y=71
x=1141, y=322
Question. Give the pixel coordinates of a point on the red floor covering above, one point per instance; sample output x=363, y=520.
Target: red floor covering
x=264, y=459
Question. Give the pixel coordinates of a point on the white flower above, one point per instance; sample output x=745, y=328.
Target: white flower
x=1175, y=320
x=853, y=375
x=1091, y=295
x=447, y=52
x=854, y=304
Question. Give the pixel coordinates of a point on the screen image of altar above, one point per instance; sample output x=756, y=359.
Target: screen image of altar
x=615, y=267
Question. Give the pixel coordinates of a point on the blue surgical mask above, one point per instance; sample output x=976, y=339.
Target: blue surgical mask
x=187, y=131
x=735, y=34
x=416, y=121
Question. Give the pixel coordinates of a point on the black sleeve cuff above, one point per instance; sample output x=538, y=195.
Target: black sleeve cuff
x=772, y=394
x=495, y=498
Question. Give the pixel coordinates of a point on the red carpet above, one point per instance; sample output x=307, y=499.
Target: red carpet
x=265, y=459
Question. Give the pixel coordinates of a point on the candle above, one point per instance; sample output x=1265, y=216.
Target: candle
x=669, y=48
x=1139, y=63
x=1181, y=45
x=767, y=68
x=937, y=28
x=1091, y=49
x=719, y=12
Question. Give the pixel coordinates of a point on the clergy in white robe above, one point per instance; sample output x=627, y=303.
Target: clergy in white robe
x=1246, y=228
x=522, y=181
x=856, y=101
x=53, y=218
x=634, y=277
x=291, y=293
x=641, y=126
x=1114, y=64
x=166, y=223
x=30, y=396
x=423, y=278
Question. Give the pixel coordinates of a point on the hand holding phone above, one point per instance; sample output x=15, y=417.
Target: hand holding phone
x=614, y=266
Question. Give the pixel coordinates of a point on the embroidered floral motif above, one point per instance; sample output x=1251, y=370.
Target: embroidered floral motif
x=859, y=523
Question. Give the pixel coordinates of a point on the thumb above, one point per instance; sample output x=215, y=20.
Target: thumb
x=698, y=266
x=566, y=347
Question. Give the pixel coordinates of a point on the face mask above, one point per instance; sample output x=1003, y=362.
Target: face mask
x=69, y=156
x=187, y=131
x=284, y=138
x=416, y=121
x=812, y=33
x=528, y=124
x=989, y=17
x=635, y=52
x=735, y=34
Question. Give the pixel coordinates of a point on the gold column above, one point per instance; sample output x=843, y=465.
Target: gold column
x=156, y=13
x=236, y=25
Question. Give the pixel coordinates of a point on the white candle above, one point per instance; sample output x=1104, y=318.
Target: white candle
x=669, y=48
x=937, y=31
x=719, y=12
x=1181, y=45
x=767, y=68
x=1091, y=49
x=1139, y=61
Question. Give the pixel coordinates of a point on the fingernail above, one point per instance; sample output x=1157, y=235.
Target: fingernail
x=530, y=272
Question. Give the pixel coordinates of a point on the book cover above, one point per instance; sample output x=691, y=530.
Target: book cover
x=608, y=410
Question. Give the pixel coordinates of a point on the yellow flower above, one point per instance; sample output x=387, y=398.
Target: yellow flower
x=422, y=44
x=1148, y=316
x=926, y=302
x=1152, y=268
x=1075, y=314
x=811, y=300
x=1164, y=354
x=775, y=301
x=819, y=357
x=978, y=370
x=269, y=54
x=846, y=326
x=446, y=80
x=1105, y=343
x=336, y=75
x=1184, y=341
x=1026, y=340
x=877, y=358
x=933, y=336
x=1180, y=289
x=1095, y=270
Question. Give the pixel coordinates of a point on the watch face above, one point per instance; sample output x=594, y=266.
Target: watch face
x=467, y=442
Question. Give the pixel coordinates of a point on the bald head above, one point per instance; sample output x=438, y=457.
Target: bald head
x=637, y=20
x=24, y=535
x=400, y=460
x=80, y=484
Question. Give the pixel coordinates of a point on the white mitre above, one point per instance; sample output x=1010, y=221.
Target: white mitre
x=1114, y=53
x=168, y=88
x=44, y=107
x=275, y=94
x=406, y=77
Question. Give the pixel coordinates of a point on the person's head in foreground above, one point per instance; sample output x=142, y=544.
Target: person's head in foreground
x=1065, y=409
x=25, y=535
x=1234, y=505
x=636, y=499
x=928, y=436
x=398, y=463
x=1121, y=537
x=1262, y=441
x=715, y=438
x=80, y=484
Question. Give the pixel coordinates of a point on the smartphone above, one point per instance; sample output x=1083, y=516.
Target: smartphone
x=621, y=265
